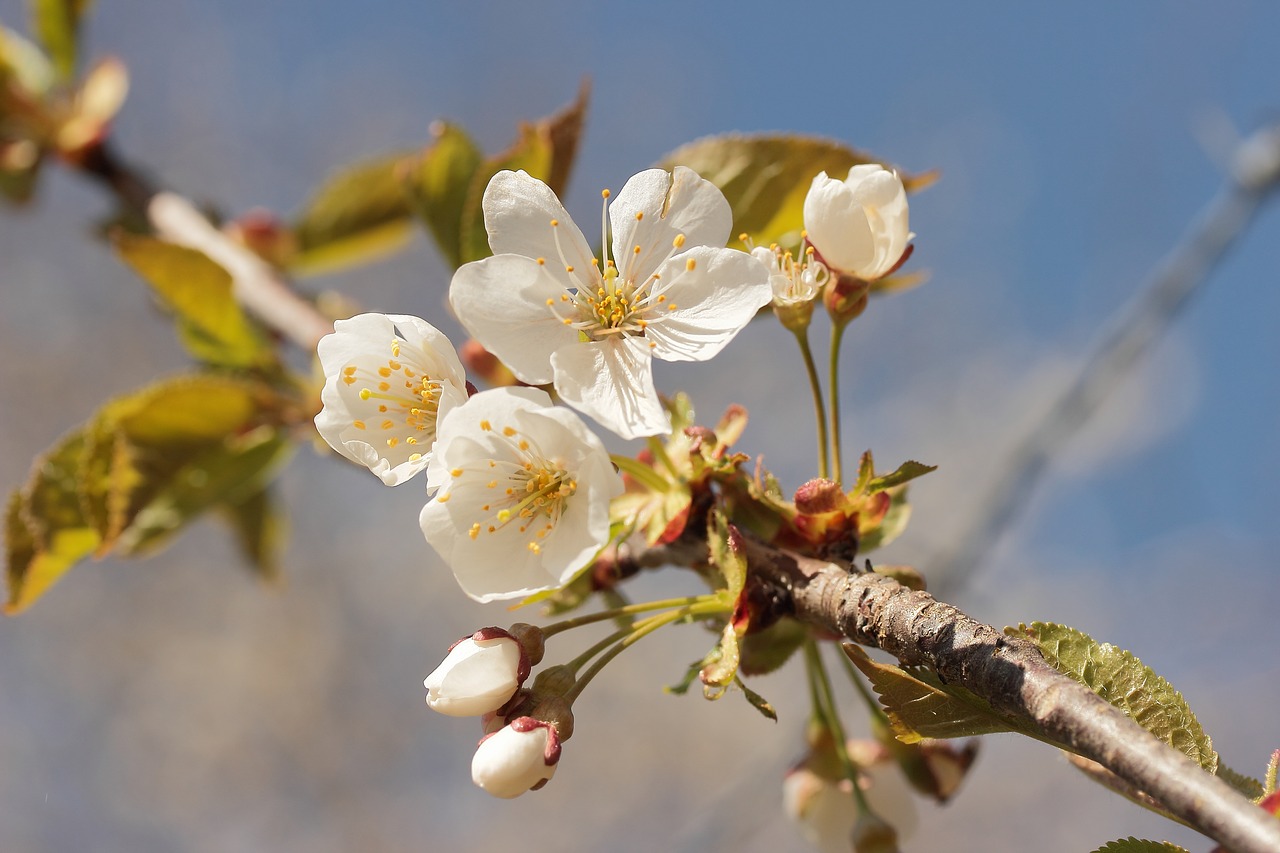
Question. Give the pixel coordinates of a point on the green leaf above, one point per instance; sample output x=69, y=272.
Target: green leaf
x=172, y=443
x=720, y=667
x=757, y=701
x=57, y=22
x=1269, y=779
x=762, y=652
x=259, y=527
x=1119, y=677
x=359, y=214
x=765, y=177
x=438, y=185
x=724, y=544
x=45, y=531
x=890, y=526
x=212, y=325
x=1246, y=785
x=691, y=675
x=921, y=706
x=1139, y=845
x=546, y=149
x=906, y=472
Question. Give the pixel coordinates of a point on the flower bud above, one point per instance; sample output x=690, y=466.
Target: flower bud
x=480, y=674
x=858, y=225
x=822, y=805
x=520, y=757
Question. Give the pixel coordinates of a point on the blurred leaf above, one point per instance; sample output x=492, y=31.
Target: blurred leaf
x=545, y=149
x=259, y=526
x=899, y=283
x=211, y=323
x=1138, y=845
x=24, y=63
x=906, y=472
x=359, y=214
x=762, y=652
x=223, y=477
x=438, y=183
x=45, y=532
x=146, y=464
x=890, y=526
x=57, y=23
x=19, y=169
x=1246, y=785
x=757, y=701
x=1269, y=778
x=905, y=575
x=101, y=95
x=765, y=177
x=1120, y=678
x=921, y=706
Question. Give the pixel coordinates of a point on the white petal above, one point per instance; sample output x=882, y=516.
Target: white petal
x=612, y=381
x=837, y=225
x=709, y=304
x=671, y=204
x=518, y=211
x=502, y=302
x=354, y=426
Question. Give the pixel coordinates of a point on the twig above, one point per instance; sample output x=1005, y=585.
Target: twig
x=1012, y=675
x=261, y=289
x=1131, y=332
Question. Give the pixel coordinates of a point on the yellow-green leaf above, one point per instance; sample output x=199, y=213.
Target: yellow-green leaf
x=765, y=177
x=1139, y=845
x=259, y=527
x=891, y=526
x=57, y=22
x=45, y=532
x=212, y=325
x=358, y=215
x=906, y=472
x=1119, y=677
x=1246, y=785
x=724, y=544
x=545, y=149
x=920, y=706
x=438, y=184
x=720, y=668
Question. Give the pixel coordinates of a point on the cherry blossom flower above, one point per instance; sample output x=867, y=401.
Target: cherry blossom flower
x=388, y=380
x=523, y=494
x=519, y=757
x=479, y=675
x=553, y=313
x=858, y=225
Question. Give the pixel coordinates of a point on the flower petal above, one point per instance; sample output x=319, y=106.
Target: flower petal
x=502, y=302
x=371, y=415
x=709, y=303
x=668, y=204
x=612, y=381
x=518, y=211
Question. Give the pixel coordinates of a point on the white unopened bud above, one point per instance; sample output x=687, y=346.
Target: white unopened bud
x=859, y=225
x=519, y=757
x=481, y=673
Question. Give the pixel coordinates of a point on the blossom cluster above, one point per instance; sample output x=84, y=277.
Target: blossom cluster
x=519, y=490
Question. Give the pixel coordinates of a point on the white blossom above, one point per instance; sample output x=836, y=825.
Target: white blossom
x=479, y=675
x=858, y=225
x=523, y=491
x=553, y=313
x=824, y=809
x=793, y=282
x=388, y=379
x=517, y=758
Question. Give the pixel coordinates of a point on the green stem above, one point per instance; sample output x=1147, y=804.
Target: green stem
x=833, y=376
x=641, y=629
x=815, y=387
x=643, y=607
x=831, y=719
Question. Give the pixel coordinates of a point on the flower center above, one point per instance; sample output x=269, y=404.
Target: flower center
x=403, y=401
x=618, y=303
x=523, y=488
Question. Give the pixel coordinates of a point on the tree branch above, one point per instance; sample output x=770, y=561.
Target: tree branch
x=258, y=287
x=1014, y=677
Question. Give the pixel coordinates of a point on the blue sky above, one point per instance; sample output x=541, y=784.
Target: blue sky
x=1076, y=143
